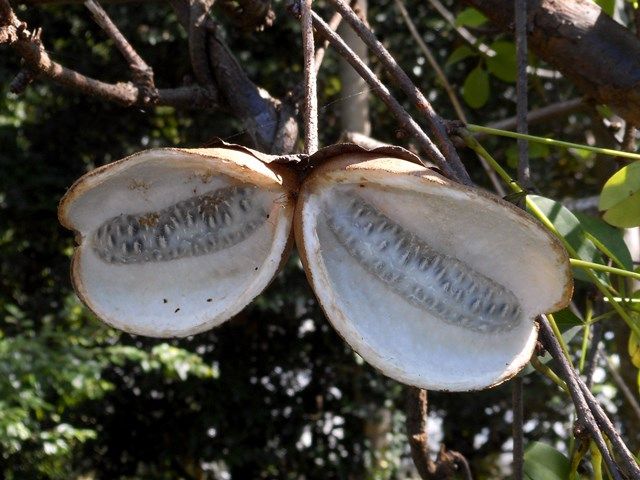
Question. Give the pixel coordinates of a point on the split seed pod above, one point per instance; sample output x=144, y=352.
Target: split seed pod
x=435, y=284
x=174, y=242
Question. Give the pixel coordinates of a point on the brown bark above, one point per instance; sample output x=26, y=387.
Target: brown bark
x=600, y=56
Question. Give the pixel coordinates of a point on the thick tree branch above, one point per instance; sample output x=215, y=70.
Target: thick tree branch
x=37, y=61
x=270, y=123
x=597, y=54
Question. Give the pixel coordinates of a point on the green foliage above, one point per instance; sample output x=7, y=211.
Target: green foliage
x=568, y=226
x=543, y=462
x=620, y=197
x=503, y=64
x=470, y=17
x=475, y=89
x=609, y=240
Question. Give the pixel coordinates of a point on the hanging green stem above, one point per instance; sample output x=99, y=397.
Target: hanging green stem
x=551, y=141
x=604, y=268
x=558, y=334
x=547, y=372
x=585, y=334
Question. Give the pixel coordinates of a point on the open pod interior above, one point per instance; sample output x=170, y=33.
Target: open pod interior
x=173, y=242
x=435, y=284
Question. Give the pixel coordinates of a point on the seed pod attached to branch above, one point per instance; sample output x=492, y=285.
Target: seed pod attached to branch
x=173, y=242
x=434, y=283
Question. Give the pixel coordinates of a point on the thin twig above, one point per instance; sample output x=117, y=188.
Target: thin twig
x=540, y=115
x=524, y=179
x=517, y=428
x=142, y=73
x=481, y=47
x=592, y=355
x=524, y=172
x=378, y=88
x=585, y=415
x=457, y=106
x=619, y=381
x=426, y=51
x=310, y=95
x=416, y=423
x=629, y=463
x=434, y=122
x=334, y=23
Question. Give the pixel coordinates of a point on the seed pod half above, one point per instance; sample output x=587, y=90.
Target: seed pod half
x=435, y=284
x=173, y=242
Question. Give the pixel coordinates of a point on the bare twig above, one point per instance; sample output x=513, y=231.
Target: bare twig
x=586, y=417
x=362, y=140
x=628, y=463
x=310, y=95
x=404, y=119
x=142, y=73
x=457, y=106
x=524, y=173
x=448, y=462
x=426, y=51
x=592, y=355
x=334, y=23
x=619, y=381
x=517, y=428
x=524, y=179
x=434, y=122
x=483, y=48
x=540, y=115
x=416, y=422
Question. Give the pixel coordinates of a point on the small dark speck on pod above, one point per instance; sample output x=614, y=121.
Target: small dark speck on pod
x=209, y=299
x=164, y=300
x=256, y=269
x=176, y=310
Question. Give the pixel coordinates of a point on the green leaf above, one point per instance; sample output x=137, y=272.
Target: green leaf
x=475, y=89
x=607, y=239
x=625, y=214
x=503, y=64
x=543, y=462
x=470, y=17
x=607, y=6
x=566, y=320
x=622, y=185
x=569, y=227
x=460, y=53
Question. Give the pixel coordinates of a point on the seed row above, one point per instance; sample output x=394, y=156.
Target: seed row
x=435, y=282
x=197, y=226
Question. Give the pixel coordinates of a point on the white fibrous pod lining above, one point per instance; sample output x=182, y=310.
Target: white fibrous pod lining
x=196, y=226
x=433, y=281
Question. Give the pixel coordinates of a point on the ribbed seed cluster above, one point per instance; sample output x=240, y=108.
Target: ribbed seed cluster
x=435, y=282
x=193, y=227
